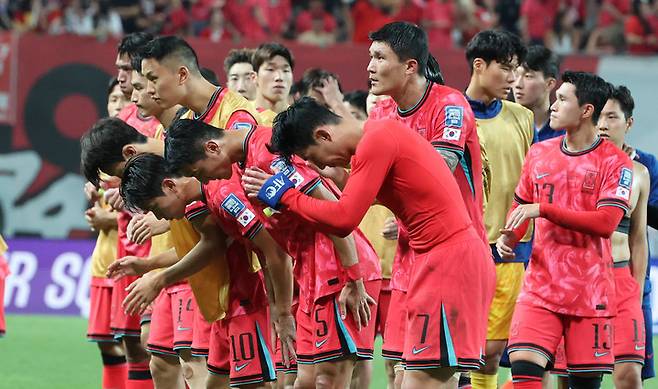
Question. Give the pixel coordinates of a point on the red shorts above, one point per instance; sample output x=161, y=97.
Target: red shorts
x=629, y=323
x=100, y=310
x=239, y=347
x=200, y=335
x=4, y=271
x=172, y=320
x=278, y=355
x=323, y=336
x=450, y=291
x=587, y=340
x=396, y=323
x=382, y=307
x=121, y=323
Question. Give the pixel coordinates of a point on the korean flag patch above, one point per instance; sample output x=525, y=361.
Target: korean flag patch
x=233, y=205
x=245, y=217
x=454, y=116
x=241, y=126
x=451, y=133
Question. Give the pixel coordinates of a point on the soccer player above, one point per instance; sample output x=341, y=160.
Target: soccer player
x=629, y=248
x=331, y=272
x=577, y=189
x=240, y=74
x=147, y=186
x=273, y=64
x=4, y=272
x=446, y=331
x=116, y=100
x=535, y=81
x=506, y=131
x=356, y=103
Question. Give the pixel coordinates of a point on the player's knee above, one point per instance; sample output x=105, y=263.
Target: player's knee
x=110, y=348
x=325, y=380
x=135, y=352
x=528, y=370
x=628, y=376
x=585, y=381
x=164, y=366
x=217, y=381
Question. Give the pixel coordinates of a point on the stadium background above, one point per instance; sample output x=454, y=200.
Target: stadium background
x=51, y=90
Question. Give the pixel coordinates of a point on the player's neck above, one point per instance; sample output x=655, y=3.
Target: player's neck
x=234, y=144
x=581, y=138
x=198, y=98
x=191, y=189
x=275, y=106
x=475, y=92
x=167, y=116
x=410, y=94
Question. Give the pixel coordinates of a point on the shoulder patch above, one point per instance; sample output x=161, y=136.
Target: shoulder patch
x=233, y=205
x=454, y=116
x=241, y=126
x=626, y=178
x=245, y=217
x=280, y=165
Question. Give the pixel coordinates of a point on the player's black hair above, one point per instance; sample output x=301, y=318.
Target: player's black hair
x=313, y=77
x=131, y=43
x=184, y=142
x=541, y=59
x=623, y=96
x=142, y=181
x=136, y=60
x=293, y=128
x=167, y=47
x=111, y=84
x=357, y=98
x=495, y=45
x=297, y=88
x=408, y=41
x=209, y=75
x=102, y=146
x=590, y=89
x=234, y=56
x=267, y=51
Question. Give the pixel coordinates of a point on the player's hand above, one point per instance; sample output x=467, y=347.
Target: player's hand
x=629, y=150
x=505, y=244
x=328, y=89
x=91, y=192
x=128, y=266
x=142, y=292
x=390, y=230
x=143, y=227
x=521, y=214
x=100, y=219
x=253, y=179
x=113, y=198
x=354, y=297
x=284, y=326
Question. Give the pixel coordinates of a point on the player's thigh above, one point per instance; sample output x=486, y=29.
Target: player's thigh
x=334, y=374
x=430, y=378
x=534, y=334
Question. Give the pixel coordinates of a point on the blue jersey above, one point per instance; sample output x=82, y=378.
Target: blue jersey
x=546, y=132
x=651, y=163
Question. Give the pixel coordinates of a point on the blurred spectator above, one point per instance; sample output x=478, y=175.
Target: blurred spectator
x=564, y=38
x=608, y=36
x=367, y=16
x=641, y=36
x=200, y=14
x=217, y=30
x=315, y=14
x=508, y=14
x=407, y=11
x=277, y=13
x=177, y=21
x=247, y=19
x=107, y=21
x=438, y=21
x=51, y=18
x=130, y=11
x=5, y=15
x=79, y=19
x=473, y=17
x=537, y=18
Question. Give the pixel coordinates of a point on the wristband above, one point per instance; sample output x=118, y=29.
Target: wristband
x=273, y=189
x=353, y=272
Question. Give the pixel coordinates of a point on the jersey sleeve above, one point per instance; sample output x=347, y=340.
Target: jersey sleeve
x=196, y=209
x=616, y=184
x=240, y=120
x=229, y=204
x=451, y=126
x=371, y=164
x=523, y=194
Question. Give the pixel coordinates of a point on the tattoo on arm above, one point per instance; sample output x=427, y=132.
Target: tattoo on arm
x=451, y=159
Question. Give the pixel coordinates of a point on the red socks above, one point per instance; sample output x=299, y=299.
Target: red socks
x=114, y=371
x=139, y=376
x=527, y=375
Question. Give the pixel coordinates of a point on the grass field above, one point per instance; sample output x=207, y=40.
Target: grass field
x=52, y=352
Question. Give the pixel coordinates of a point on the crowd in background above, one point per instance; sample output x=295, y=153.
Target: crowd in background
x=565, y=26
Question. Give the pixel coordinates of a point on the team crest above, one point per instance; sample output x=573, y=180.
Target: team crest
x=233, y=205
x=589, y=183
x=241, y=126
x=454, y=116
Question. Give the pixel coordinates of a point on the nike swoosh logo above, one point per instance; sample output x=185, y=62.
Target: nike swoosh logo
x=598, y=354
x=183, y=328
x=638, y=348
x=320, y=343
x=415, y=351
x=240, y=367
x=540, y=176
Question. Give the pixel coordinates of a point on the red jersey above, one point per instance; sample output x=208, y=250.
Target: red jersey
x=445, y=119
x=402, y=171
x=145, y=126
x=318, y=270
x=226, y=201
x=124, y=246
x=570, y=272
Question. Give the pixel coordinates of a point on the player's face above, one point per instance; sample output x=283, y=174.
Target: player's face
x=242, y=79
x=355, y=111
x=565, y=111
x=163, y=83
x=144, y=102
x=124, y=73
x=613, y=124
x=116, y=101
x=170, y=205
x=327, y=151
x=275, y=79
x=530, y=88
x=385, y=70
x=497, y=79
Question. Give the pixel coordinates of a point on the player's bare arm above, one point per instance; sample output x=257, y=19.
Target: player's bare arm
x=137, y=266
x=637, y=239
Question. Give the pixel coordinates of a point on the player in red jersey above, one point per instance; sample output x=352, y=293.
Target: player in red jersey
x=273, y=64
x=445, y=330
x=576, y=188
x=331, y=272
x=240, y=74
x=146, y=186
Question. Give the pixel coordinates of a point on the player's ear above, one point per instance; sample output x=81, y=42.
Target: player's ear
x=183, y=74
x=588, y=111
x=211, y=147
x=128, y=151
x=479, y=65
x=551, y=83
x=322, y=133
x=411, y=66
x=168, y=185
x=629, y=123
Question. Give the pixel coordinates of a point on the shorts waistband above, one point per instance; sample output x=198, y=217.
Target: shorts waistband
x=620, y=264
